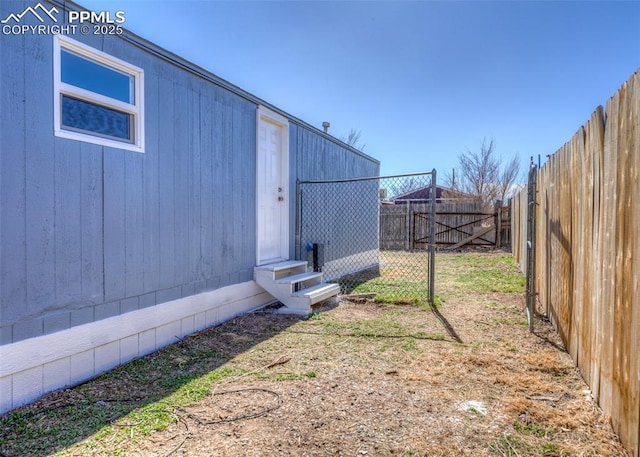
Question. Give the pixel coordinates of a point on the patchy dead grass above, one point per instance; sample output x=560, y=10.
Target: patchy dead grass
x=363, y=378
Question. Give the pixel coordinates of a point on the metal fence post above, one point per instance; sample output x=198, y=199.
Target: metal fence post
x=432, y=241
x=531, y=246
x=498, y=223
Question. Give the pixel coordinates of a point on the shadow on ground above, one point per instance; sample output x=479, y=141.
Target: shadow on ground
x=63, y=418
x=446, y=324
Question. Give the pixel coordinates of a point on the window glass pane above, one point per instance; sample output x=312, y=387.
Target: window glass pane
x=81, y=115
x=92, y=76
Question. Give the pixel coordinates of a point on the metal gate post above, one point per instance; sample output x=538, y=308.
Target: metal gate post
x=298, y=220
x=432, y=241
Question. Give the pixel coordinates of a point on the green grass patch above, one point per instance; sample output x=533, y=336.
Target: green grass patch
x=428, y=336
x=386, y=325
x=410, y=344
x=403, y=278
x=480, y=273
x=174, y=377
x=477, y=260
x=194, y=389
x=390, y=290
x=493, y=280
x=490, y=305
x=512, y=320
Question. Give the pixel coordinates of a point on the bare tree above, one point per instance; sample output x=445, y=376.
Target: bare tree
x=479, y=171
x=450, y=179
x=353, y=139
x=483, y=175
x=508, y=176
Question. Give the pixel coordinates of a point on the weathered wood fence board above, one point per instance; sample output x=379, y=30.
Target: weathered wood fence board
x=404, y=226
x=588, y=253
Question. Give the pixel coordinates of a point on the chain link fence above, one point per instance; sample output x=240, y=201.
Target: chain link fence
x=358, y=234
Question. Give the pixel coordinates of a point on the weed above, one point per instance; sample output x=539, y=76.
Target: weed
x=553, y=450
x=511, y=347
x=533, y=429
x=409, y=453
x=286, y=376
x=508, y=446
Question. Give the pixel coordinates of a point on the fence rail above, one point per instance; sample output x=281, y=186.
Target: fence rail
x=587, y=253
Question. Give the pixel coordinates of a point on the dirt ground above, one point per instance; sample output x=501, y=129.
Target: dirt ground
x=357, y=379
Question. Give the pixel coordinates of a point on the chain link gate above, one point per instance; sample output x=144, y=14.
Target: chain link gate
x=358, y=233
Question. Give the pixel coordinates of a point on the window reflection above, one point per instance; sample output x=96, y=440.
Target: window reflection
x=97, y=78
x=85, y=116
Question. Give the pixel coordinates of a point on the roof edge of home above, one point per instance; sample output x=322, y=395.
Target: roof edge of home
x=201, y=72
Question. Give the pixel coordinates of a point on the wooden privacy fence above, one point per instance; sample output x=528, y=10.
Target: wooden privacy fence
x=587, y=253
x=405, y=226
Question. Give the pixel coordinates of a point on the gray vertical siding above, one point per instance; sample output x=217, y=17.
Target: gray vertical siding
x=88, y=232
x=317, y=157
x=342, y=216
x=13, y=241
x=40, y=179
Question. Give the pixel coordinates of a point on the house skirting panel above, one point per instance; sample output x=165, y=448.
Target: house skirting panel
x=33, y=367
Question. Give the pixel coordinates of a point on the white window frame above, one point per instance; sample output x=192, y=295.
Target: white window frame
x=136, y=109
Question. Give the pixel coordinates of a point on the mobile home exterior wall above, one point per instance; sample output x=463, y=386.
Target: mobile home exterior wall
x=109, y=254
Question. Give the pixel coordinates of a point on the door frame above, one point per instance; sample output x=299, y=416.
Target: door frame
x=263, y=115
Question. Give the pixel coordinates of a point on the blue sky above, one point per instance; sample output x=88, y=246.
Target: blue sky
x=421, y=80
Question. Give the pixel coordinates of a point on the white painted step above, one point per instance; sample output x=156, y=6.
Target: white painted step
x=302, y=277
x=280, y=269
x=294, y=286
x=318, y=293
x=286, y=265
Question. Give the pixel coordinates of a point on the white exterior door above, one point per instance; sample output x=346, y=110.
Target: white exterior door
x=272, y=177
